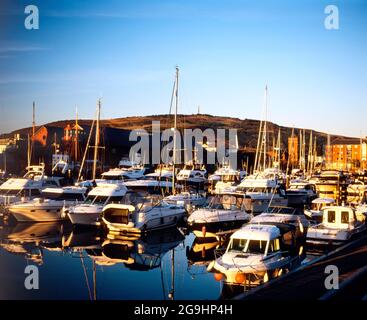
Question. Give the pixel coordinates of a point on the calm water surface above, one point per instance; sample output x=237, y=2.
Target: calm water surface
x=87, y=264
x=82, y=264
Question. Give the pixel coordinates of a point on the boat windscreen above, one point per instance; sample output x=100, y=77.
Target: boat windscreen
x=248, y=246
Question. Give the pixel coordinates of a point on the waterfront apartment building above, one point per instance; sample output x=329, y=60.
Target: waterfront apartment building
x=346, y=156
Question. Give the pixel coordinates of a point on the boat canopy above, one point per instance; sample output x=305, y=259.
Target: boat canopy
x=323, y=201
x=257, y=232
x=108, y=190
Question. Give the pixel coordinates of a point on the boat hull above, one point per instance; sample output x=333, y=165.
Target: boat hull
x=152, y=223
x=85, y=218
x=41, y=215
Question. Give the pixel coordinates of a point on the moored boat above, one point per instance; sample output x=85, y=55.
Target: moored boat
x=225, y=212
x=89, y=212
x=339, y=225
x=143, y=217
x=256, y=249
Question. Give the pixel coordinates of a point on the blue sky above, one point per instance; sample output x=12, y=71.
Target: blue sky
x=227, y=51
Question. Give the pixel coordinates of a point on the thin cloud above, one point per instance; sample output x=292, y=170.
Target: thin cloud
x=15, y=49
x=87, y=76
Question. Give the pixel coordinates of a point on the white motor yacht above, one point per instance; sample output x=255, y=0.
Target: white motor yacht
x=262, y=192
x=339, y=224
x=192, y=175
x=153, y=183
x=285, y=215
x=143, y=217
x=46, y=209
x=187, y=199
x=89, y=212
x=29, y=186
x=71, y=193
x=224, y=212
x=258, y=249
x=301, y=192
x=225, y=179
x=122, y=174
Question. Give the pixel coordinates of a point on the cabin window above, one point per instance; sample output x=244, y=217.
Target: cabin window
x=344, y=217
x=331, y=216
x=274, y=245
x=256, y=246
x=238, y=244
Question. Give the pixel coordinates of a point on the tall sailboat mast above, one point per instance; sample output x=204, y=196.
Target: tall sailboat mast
x=310, y=154
x=31, y=139
x=33, y=122
x=277, y=151
x=291, y=152
x=174, y=133
x=76, y=136
x=265, y=124
x=301, y=143
x=96, y=143
x=329, y=152
x=258, y=146
x=28, y=150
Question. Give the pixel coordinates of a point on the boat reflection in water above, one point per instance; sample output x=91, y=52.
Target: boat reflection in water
x=86, y=264
x=31, y=239
x=142, y=253
x=202, y=251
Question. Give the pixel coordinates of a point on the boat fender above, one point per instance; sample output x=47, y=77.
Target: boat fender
x=210, y=266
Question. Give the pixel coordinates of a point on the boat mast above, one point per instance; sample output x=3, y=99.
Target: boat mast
x=277, y=151
x=265, y=124
x=28, y=150
x=302, y=144
x=257, y=155
x=76, y=136
x=174, y=133
x=310, y=154
x=31, y=140
x=329, y=152
x=96, y=144
x=86, y=151
x=290, y=151
x=314, y=154
x=33, y=128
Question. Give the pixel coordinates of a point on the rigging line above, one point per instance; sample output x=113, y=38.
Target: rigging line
x=86, y=277
x=86, y=151
x=172, y=96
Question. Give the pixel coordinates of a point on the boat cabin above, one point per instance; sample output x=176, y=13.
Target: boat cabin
x=227, y=201
x=106, y=193
x=338, y=217
x=262, y=239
